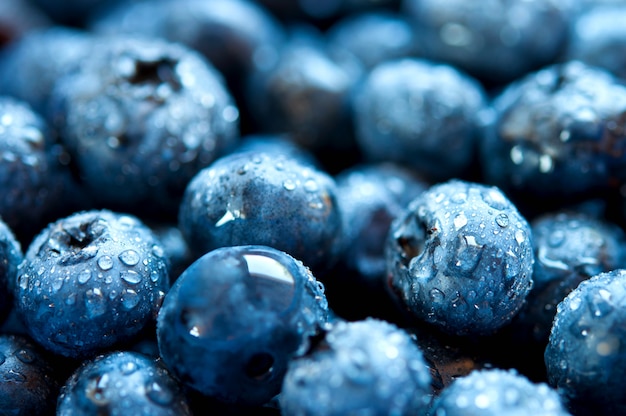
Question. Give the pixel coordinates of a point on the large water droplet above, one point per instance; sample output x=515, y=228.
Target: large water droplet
x=95, y=303
x=96, y=388
x=460, y=220
x=502, y=220
x=129, y=257
x=105, y=262
x=129, y=299
x=158, y=394
x=289, y=185
x=436, y=295
x=130, y=277
x=25, y=355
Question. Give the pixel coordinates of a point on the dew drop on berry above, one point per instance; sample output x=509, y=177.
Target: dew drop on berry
x=130, y=277
x=130, y=299
x=158, y=394
x=105, y=263
x=129, y=257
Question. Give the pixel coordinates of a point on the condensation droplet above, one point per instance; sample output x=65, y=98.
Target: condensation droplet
x=128, y=367
x=520, y=236
x=129, y=257
x=25, y=355
x=158, y=394
x=460, y=220
x=130, y=277
x=502, y=220
x=105, y=262
x=310, y=185
x=436, y=295
x=129, y=299
x=289, y=185
x=95, y=303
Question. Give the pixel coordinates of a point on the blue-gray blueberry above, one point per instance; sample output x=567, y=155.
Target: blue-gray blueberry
x=91, y=281
x=234, y=319
x=460, y=257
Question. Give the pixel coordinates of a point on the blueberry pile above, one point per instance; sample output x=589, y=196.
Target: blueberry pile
x=306, y=207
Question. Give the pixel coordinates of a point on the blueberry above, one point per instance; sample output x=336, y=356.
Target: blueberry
x=33, y=179
x=585, y=354
x=28, y=382
x=236, y=36
x=598, y=38
x=370, y=196
x=235, y=317
x=360, y=367
x=267, y=199
x=122, y=383
x=30, y=65
x=304, y=94
x=495, y=42
x=497, y=392
x=422, y=114
x=569, y=247
x=362, y=41
x=281, y=144
x=18, y=18
x=140, y=118
x=91, y=281
x=557, y=136
x=175, y=247
x=11, y=256
x=460, y=257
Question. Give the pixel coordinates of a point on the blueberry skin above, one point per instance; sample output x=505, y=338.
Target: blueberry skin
x=11, y=256
x=494, y=392
x=557, y=136
x=32, y=178
x=267, y=199
x=236, y=36
x=586, y=354
x=419, y=113
x=460, y=258
x=28, y=382
x=569, y=247
x=371, y=196
x=31, y=65
x=497, y=41
x=140, y=118
x=368, y=366
x=363, y=40
x=122, y=383
x=235, y=317
x=598, y=37
x=91, y=281
x=304, y=94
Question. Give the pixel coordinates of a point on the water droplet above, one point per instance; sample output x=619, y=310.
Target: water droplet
x=520, y=236
x=95, y=303
x=130, y=276
x=502, y=220
x=436, y=295
x=129, y=299
x=158, y=394
x=129, y=257
x=289, y=185
x=84, y=276
x=14, y=376
x=57, y=283
x=128, y=367
x=311, y=185
x=574, y=303
x=157, y=250
x=96, y=389
x=460, y=220
x=105, y=262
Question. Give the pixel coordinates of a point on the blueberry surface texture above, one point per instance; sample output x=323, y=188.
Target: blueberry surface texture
x=557, y=136
x=497, y=41
x=569, y=247
x=367, y=366
x=267, y=199
x=235, y=318
x=11, y=256
x=419, y=113
x=33, y=180
x=460, y=258
x=28, y=382
x=497, y=392
x=140, y=118
x=91, y=281
x=585, y=356
x=122, y=383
